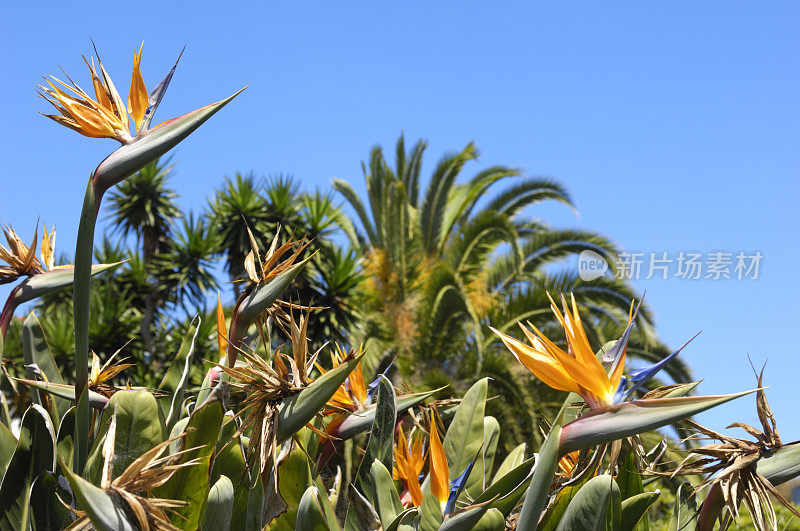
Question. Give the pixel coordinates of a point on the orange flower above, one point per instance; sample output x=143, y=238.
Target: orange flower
x=408, y=463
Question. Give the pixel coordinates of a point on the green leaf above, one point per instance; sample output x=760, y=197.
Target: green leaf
x=151, y=144
x=191, y=484
x=593, y=507
x=684, y=515
x=50, y=281
x=360, y=513
x=542, y=477
x=47, y=511
x=478, y=479
x=33, y=455
x=310, y=516
x=139, y=428
x=464, y=436
x=629, y=480
x=36, y=351
x=174, y=383
x=7, y=445
x=219, y=507
x=294, y=477
x=96, y=400
x=430, y=511
x=493, y=520
x=65, y=441
x=781, y=465
x=296, y=411
x=514, y=458
x=610, y=423
x=386, y=501
x=507, y=490
x=381, y=438
x=229, y=461
x=361, y=421
x=634, y=508
x=404, y=521
x=555, y=512
x=106, y=512
x=256, y=301
x=464, y=520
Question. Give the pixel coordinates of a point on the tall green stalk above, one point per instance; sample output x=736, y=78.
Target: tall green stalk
x=81, y=290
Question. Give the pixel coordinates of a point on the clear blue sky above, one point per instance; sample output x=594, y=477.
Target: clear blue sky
x=674, y=125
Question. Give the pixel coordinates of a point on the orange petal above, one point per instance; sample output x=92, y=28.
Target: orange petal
x=440, y=470
x=137, y=96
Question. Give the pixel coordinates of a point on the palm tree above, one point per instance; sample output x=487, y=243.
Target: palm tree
x=186, y=269
x=144, y=206
x=237, y=206
x=441, y=268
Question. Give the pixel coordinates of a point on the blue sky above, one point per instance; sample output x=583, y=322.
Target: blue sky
x=675, y=127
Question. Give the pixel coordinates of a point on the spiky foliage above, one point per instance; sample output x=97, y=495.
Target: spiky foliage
x=730, y=466
x=148, y=472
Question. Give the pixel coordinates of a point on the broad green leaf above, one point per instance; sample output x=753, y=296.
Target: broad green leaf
x=387, y=502
x=634, y=508
x=464, y=520
x=36, y=351
x=514, y=458
x=492, y=520
x=360, y=513
x=381, y=438
x=51, y=281
x=151, y=144
x=781, y=465
x=609, y=423
x=294, y=477
x=361, y=421
x=106, y=512
x=684, y=515
x=65, y=441
x=404, y=521
x=593, y=507
x=539, y=487
x=478, y=479
x=464, y=436
x=555, y=511
x=296, y=411
x=310, y=515
x=430, y=510
x=7, y=445
x=229, y=461
x=505, y=492
x=66, y=391
x=629, y=480
x=191, y=484
x=47, y=511
x=174, y=383
x=139, y=428
x=219, y=507
x=33, y=455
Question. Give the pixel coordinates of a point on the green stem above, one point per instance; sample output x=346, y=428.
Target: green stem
x=81, y=290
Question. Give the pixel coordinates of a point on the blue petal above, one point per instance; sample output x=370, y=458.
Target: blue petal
x=373, y=387
x=620, y=395
x=615, y=352
x=640, y=376
x=456, y=486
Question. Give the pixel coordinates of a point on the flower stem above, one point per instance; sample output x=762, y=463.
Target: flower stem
x=81, y=290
